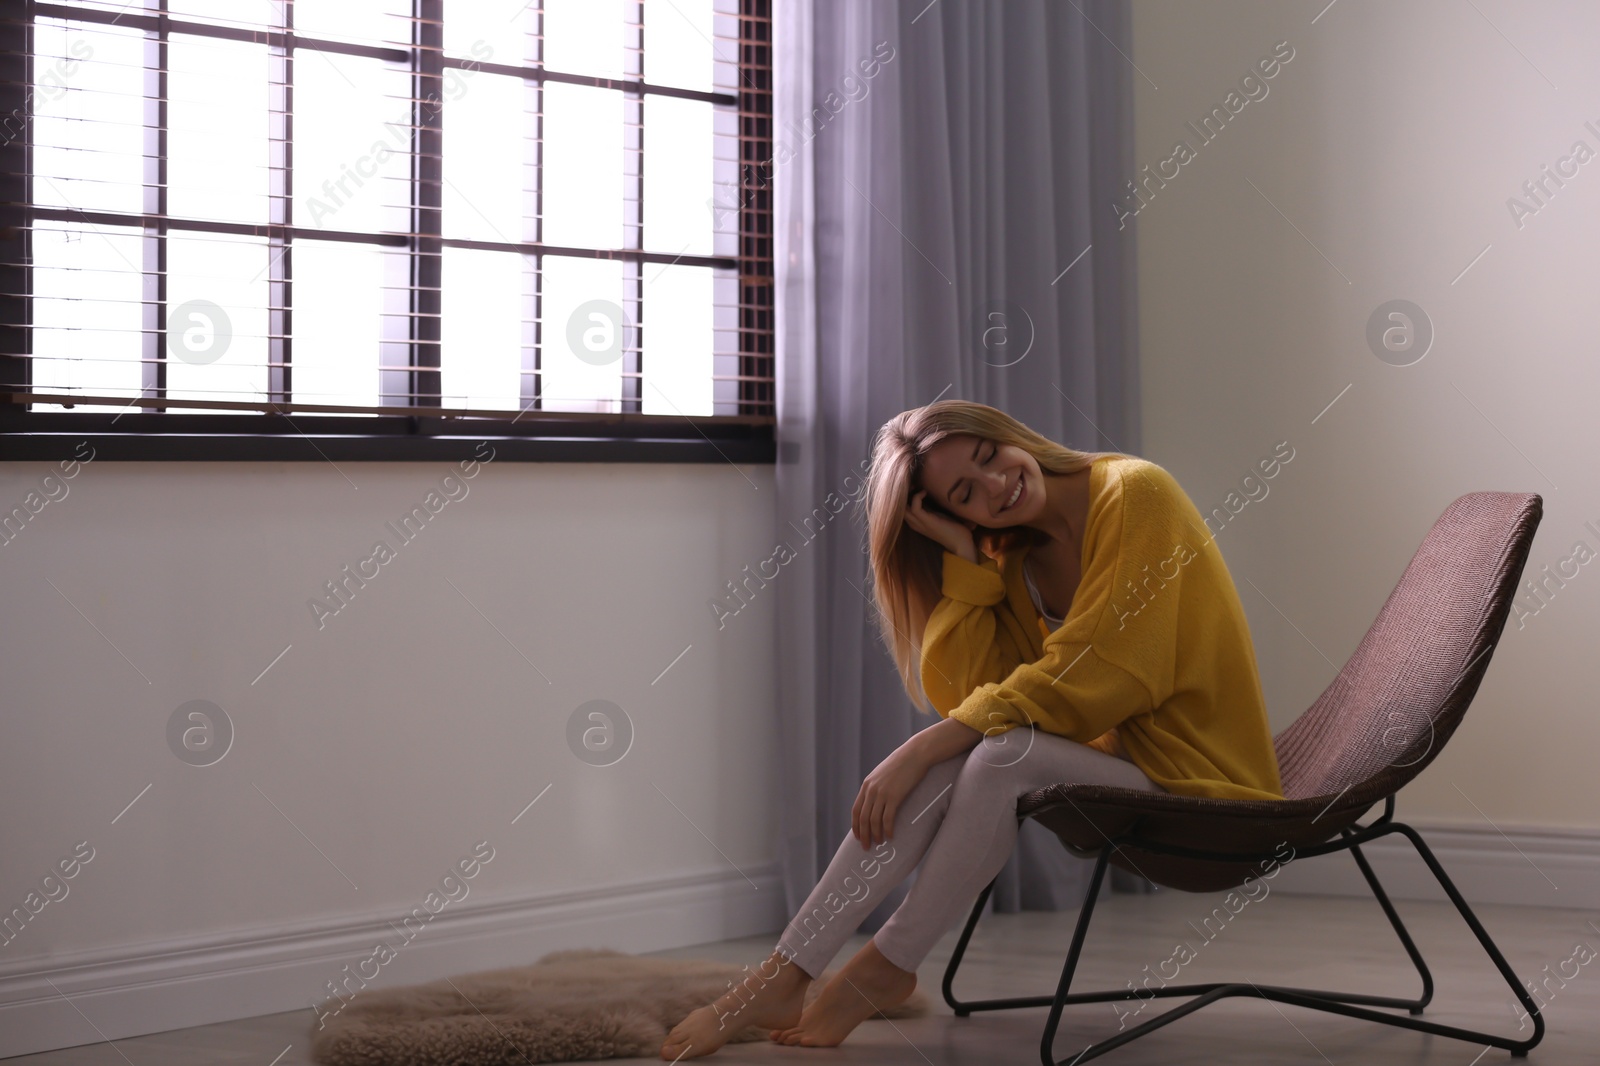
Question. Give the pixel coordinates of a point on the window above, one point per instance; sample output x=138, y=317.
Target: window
x=294, y=228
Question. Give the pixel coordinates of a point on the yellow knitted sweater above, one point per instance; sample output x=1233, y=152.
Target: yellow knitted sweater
x=1155, y=646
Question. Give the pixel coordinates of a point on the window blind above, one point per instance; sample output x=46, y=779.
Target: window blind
x=486, y=209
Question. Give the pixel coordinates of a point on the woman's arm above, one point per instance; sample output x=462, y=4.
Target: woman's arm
x=886, y=787
x=968, y=640
x=945, y=740
x=963, y=645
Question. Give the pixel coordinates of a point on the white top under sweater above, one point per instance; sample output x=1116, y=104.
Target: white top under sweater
x=1038, y=602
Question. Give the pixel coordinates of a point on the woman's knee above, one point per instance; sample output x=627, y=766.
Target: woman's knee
x=1001, y=755
x=1022, y=760
x=987, y=778
x=1019, y=761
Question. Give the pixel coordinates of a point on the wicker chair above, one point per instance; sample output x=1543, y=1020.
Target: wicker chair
x=1382, y=719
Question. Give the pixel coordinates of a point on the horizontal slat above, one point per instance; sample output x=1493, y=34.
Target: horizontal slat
x=530, y=74
x=408, y=411
x=386, y=238
x=631, y=86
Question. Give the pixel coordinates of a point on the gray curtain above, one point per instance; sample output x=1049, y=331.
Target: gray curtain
x=939, y=172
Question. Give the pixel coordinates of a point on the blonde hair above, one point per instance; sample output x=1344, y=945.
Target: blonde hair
x=907, y=567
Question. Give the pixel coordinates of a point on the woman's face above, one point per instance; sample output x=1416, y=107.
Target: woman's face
x=977, y=480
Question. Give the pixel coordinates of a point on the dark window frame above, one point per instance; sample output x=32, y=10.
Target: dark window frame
x=419, y=428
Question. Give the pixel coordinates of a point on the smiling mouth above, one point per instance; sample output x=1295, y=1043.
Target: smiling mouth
x=1016, y=494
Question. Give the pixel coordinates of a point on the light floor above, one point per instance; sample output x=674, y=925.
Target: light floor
x=1329, y=943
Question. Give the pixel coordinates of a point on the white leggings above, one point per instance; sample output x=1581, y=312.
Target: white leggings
x=963, y=817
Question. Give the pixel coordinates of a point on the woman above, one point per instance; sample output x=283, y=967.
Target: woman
x=1019, y=583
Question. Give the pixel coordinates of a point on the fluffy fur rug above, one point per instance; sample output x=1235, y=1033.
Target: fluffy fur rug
x=569, y=1006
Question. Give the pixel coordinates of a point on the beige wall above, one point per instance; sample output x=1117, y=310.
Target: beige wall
x=1388, y=147
x=409, y=727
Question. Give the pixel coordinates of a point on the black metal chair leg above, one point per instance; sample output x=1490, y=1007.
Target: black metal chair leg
x=1400, y=930
x=1064, y=986
x=961, y=1008
x=1519, y=1049
x=1346, y=1004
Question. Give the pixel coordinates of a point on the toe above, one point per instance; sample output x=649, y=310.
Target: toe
x=674, y=1046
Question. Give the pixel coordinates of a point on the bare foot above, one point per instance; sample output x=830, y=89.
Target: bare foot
x=867, y=984
x=770, y=996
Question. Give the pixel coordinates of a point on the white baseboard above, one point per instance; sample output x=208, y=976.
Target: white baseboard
x=1532, y=867
x=175, y=985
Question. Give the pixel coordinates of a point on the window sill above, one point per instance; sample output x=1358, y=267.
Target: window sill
x=48, y=436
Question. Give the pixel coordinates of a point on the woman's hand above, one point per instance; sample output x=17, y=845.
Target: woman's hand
x=872, y=817
x=955, y=536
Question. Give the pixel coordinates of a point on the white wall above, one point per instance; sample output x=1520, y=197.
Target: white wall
x=381, y=747
x=1388, y=147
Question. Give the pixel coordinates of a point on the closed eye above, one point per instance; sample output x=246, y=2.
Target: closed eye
x=993, y=451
